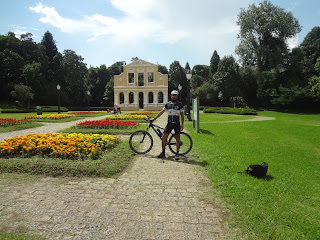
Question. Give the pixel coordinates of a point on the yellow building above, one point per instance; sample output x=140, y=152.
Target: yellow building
x=140, y=85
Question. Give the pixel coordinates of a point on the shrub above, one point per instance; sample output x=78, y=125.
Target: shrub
x=229, y=110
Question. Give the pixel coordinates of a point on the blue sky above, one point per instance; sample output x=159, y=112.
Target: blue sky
x=106, y=31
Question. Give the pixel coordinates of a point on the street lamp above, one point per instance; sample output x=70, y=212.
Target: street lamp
x=88, y=93
x=180, y=87
x=58, y=88
x=188, y=75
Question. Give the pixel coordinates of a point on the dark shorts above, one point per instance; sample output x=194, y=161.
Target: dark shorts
x=170, y=126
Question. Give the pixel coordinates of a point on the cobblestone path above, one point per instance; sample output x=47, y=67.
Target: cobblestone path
x=153, y=199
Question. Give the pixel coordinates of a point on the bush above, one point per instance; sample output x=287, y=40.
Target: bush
x=229, y=110
x=29, y=110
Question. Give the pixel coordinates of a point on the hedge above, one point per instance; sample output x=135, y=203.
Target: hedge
x=91, y=108
x=29, y=110
x=229, y=110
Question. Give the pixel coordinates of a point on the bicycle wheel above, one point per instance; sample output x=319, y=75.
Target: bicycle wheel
x=141, y=142
x=186, y=144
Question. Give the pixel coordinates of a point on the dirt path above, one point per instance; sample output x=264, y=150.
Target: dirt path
x=154, y=199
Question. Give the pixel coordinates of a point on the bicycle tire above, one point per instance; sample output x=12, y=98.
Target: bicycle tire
x=144, y=140
x=186, y=145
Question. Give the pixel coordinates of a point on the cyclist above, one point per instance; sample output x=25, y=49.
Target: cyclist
x=175, y=110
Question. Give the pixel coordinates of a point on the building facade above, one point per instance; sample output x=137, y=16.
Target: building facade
x=141, y=86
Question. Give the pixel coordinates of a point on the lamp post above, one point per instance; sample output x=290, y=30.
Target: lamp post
x=58, y=88
x=88, y=93
x=188, y=75
x=180, y=88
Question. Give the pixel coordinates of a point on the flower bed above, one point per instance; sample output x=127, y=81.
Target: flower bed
x=7, y=122
x=58, y=145
x=141, y=113
x=127, y=117
x=87, y=113
x=51, y=116
x=105, y=124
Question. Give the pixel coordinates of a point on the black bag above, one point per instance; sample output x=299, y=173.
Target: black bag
x=257, y=170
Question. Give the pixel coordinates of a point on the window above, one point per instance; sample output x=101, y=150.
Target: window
x=150, y=97
x=150, y=77
x=131, y=97
x=141, y=79
x=131, y=77
x=121, y=98
x=160, y=97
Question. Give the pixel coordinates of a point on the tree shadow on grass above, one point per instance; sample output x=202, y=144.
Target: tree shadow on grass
x=203, y=131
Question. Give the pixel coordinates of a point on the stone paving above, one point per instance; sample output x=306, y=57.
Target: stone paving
x=153, y=199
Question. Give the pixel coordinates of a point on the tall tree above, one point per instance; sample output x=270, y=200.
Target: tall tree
x=178, y=76
x=75, y=71
x=227, y=79
x=310, y=48
x=50, y=45
x=264, y=31
x=214, y=62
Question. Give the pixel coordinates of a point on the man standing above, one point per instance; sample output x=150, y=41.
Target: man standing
x=175, y=110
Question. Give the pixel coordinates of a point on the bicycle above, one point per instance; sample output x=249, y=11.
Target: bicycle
x=145, y=140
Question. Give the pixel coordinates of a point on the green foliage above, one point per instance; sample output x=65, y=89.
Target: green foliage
x=178, y=76
x=207, y=94
x=22, y=93
x=227, y=79
x=264, y=30
x=214, y=62
x=229, y=110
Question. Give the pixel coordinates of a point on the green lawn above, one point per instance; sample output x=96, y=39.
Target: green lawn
x=215, y=117
x=284, y=205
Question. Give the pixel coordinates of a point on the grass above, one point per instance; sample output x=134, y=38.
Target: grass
x=12, y=236
x=285, y=204
x=110, y=164
x=19, y=127
x=111, y=131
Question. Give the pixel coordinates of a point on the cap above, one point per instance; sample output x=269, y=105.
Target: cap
x=175, y=92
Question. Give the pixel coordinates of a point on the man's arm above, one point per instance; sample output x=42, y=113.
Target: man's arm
x=158, y=115
x=182, y=121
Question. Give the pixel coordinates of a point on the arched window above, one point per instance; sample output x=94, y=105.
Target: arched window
x=121, y=98
x=150, y=97
x=160, y=97
x=131, y=97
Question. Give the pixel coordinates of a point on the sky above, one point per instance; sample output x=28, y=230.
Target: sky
x=158, y=31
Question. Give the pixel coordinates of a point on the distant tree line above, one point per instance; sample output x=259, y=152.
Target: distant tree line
x=268, y=73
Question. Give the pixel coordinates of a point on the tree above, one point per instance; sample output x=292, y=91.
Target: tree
x=75, y=71
x=207, y=94
x=22, y=93
x=214, y=62
x=178, y=76
x=310, y=48
x=50, y=44
x=162, y=69
x=227, y=79
x=264, y=31
x=314, y=81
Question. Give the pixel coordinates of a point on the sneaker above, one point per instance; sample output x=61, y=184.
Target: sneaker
x=161, y=155
x=177, y=157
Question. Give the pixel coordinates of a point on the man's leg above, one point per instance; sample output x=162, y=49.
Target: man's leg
x=164, y=144
x=177, y=137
